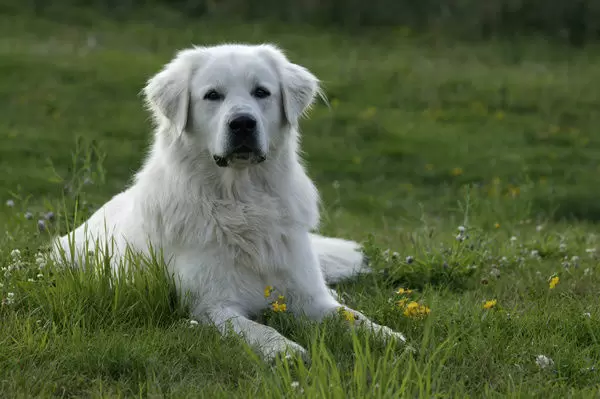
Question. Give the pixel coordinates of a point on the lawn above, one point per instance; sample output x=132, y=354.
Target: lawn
x=468, y=170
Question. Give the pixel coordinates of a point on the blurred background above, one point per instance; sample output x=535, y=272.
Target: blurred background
x=431, y=102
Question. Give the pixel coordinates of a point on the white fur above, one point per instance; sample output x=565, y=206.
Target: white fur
x=228, y=232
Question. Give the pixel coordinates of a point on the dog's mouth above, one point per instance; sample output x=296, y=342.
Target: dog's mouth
x=242, y=155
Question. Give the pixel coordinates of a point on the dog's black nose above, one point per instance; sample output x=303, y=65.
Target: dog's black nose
x=243, y=124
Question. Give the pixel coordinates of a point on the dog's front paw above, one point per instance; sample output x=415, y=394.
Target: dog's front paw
x=284, y=350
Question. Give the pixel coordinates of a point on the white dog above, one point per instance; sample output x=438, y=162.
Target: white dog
x=223, y=194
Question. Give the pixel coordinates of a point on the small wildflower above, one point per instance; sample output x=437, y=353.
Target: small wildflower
x=554, y=282
x=410, y=259
x=15, y=254
x=539, y=228
x=193, y=323
x=587, y=314
x=535, y=253
x=562, y=247
x=39, y=276
x=278, y=307
x=10, y=203
x=490, y=304
x=456, y=171
x=587, y=271
x=268, y=291
x=495, y=272
x=513, y=239
x=497, y=225
x=415, y=310
x=10, y=299
x=49, y=216
x=347, y=315
x=403, y=291
x=460, y=237
x=543, y=361
x=461, y=229
x=31, y=280
x=28, y=215
x=591, y=251
x=402, y=302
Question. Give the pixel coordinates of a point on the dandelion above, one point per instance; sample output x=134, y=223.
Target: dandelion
x=554, y=282
x=490, y=304
x=456, y=171
x=347, y=315
x=403, y=291
x=543, y=362
x=10, y=203
x=278, y=307
x=268, y=291
x=402, y=302
x=416, y=310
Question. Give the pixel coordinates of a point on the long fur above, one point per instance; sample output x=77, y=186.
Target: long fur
x=227, y=233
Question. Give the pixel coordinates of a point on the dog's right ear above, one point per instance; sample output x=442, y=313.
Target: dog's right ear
x=167, y=93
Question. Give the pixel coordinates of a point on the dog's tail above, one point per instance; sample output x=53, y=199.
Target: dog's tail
x=339, y=259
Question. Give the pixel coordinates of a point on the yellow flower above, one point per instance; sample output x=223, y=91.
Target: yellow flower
x=402, y=302
x=490, y=304
x=413, y=309
x=456, y=171
x=554, y=282
x=278, y=307
x=268, y=291
x=348, y=316
x=404, y=291
x=497, y=225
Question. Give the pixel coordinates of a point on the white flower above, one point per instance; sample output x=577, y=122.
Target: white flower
x=460, y=237
x=513, y=239
x=535, y=253
x=591, y=251
x=31, y=280
x=193, y=323
x=461, y=229
x=587, y=271
x=410, y=259
x=562, y=247
x=587, y=314
x=15, y=254
x=543, y=361
x=495, y=272
x=10, y=299
x=539, y=228
x=40, y=276
x=10, y=203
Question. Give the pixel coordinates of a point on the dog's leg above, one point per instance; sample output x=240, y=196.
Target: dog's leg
x=339, y=259
x=314, y=299
x=267, y=340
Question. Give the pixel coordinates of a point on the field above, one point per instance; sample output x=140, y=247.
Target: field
x=468, y=170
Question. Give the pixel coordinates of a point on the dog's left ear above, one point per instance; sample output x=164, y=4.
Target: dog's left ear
x=299, y=86
x=167, y=93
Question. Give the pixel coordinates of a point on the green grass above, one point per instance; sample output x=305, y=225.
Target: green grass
x=422, y=136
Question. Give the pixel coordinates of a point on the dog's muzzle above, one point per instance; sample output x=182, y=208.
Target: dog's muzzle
x=243, y=146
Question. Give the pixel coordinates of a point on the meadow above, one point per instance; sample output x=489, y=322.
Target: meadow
x=468, y=170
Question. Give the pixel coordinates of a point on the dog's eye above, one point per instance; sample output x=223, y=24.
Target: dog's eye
x=261, y=92
x=213, y=95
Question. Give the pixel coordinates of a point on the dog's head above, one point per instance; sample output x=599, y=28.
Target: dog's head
x=233, y=101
